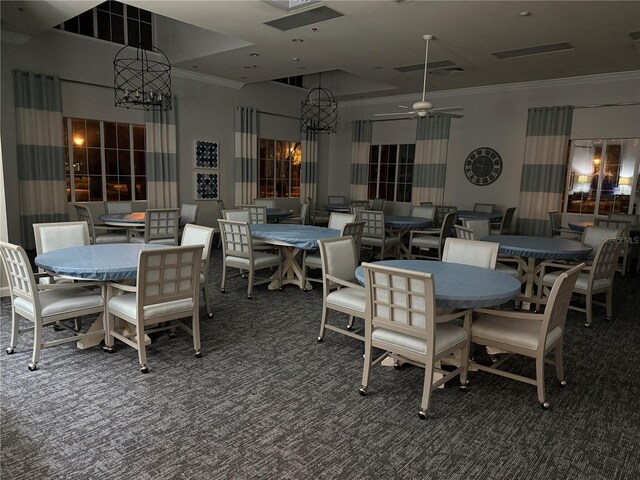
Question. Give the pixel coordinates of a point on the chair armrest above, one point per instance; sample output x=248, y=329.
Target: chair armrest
x=39, y=275
x=453, y=315
x=122, y=286
x=418, y=233
x=511, y=314
x=54, y=286
x=344, y=283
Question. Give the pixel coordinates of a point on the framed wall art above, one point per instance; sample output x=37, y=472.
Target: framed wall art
x=207, y=154
x=206, y=185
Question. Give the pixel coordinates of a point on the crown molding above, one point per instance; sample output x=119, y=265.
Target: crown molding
x=200, y=77
x=500, y=88
x=15, y=38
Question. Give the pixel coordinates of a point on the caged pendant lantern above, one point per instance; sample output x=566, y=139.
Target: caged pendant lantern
x=319, y=112
x=140, y=82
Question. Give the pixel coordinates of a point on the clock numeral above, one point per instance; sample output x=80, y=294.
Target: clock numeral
x=496, y=168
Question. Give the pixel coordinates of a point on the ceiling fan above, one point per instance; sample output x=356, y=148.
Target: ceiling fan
x=423, y=107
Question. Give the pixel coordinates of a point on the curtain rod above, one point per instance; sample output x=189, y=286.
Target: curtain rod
x=68, y=80
x=624, y=104
x=278, y=115
x=384, y=120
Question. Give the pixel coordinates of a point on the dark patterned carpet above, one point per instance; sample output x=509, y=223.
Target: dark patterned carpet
x=267, y=401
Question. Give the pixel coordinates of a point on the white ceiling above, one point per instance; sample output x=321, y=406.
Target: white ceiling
x=361, y=48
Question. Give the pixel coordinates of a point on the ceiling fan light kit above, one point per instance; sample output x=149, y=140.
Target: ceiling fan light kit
x=424, y=108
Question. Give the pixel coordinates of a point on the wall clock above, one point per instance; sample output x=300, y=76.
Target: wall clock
x=483, y=166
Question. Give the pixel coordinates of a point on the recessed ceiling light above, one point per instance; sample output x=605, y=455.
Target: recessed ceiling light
x=249, y=67
x=297, y=40
x=243, y=78
x=194, y=66
x=295, y=59
x=254, y=54
x=525, y=14
x=377, y=68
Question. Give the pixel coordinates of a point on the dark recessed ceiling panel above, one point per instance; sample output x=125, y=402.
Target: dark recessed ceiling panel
x=537, y=50
x=302, y=19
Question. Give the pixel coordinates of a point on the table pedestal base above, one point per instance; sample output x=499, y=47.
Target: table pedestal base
x=292, y=273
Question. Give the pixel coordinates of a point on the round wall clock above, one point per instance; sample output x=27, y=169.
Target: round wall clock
x=483, y=166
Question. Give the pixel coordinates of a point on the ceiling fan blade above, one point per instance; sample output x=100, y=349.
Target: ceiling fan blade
x=403, y=106
x=448, y=109
x=391, y=114
x=445, y=114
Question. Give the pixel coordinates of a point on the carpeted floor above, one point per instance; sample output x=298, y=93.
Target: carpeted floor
x=267, y=401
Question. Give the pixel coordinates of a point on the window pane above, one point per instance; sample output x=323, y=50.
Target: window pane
x=110, y=135
x=111, y=162
x=93, y=134
x=123, y=136
x=145, y=36
x=116, y=7
x=584, y=168
x=103, y=6
x=141, y=188
x=86, y=23
x=81, y=187
x=139, y=163
x=124, y=163
x=133, y=32
x=72, y=25
x=124, y=188
x=145, y=16
x=95, y=162
x=609, y=201
x=104, y=25
x=95, y=188
x=117, y=29
x=132, y=12
x=80, y=161
x=138, y=137
x=112, y=192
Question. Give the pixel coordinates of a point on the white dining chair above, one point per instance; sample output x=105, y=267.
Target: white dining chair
x=118, y=207
x=161, y=226
x=401, y=320
x=338, y=220
x=188, y=213
x=504, y=226
x=166, y=292
x=257, y=213
x=45, y=303
x=423, y=212
x=470, y=252
x=430, y=242
x=201, y=235
x=376, y=236
x=99, y=234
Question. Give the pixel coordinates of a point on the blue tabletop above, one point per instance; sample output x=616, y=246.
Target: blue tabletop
x=278, y=213
x=133, y=217
x=400, y=221
x=106, y=262
x=580, y=226
x=460, y=286
x=555, y=248
x=300, y=236
x=337, y=207
x=473, y=214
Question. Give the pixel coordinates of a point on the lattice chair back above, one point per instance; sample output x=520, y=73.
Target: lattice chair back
x=161, y=225
x=360, y=203
x=19, y=274
x=441, y=211
x=423, y=212
x=606, y=259
x=188, y=213
x=378, y=204
x=257, y=213
x=463, y=232
x=623, y=225
x=54, y=236
x=118, y=207
x=595, y=236
x=471, y=252
x=237, y=215
x=84, y=215
x=236, y=239
x=355, y=230
x=374, y=223
x=339, y=220
x=480, y=226
x=555, y=313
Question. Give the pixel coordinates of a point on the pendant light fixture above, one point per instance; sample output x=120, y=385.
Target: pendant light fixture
x=319, y=112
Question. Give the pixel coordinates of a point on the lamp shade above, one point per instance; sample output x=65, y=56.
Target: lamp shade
x=624, y=181
x=583, y=179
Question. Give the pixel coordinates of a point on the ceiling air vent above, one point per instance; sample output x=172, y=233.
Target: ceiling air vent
x=537, y=50
x=291, y=5
x=431, y=66
x=634, y=35
x=302, y=19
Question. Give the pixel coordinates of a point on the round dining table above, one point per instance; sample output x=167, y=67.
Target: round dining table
x=131, y=219
x=472, y=214
x=276, y=214
x=402, y=224
x=580, y=226
x=458, y=285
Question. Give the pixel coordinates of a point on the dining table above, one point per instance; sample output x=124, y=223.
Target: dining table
x=400, y=225
x=128, y=220
x=292, y=239
x=579, y=226
x=472, y=215
x=337, y=207
x=111, y=262
x=534, y=250
x=276, y=214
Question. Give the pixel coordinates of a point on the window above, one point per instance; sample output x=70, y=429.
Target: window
x=603, y=176
x=391, y=172
x=279, y=168
x=104, y=161
x=114, y=22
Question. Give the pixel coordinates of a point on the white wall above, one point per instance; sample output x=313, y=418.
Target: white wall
x=204, y=110
x=495, y=117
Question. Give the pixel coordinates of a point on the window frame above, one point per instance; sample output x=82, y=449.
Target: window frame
x=69, y=149
x=275, y=161
x=408, y=147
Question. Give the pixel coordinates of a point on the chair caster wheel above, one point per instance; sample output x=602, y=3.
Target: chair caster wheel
x=198, y=354
x=363, y=391
x=545, y=405
x=9, y=350
x=587, y=325
x=57, y=327
x=464, y=387
x=249, y=297
x=319, y=339
x=32, y=367
x=210, y=315
x=608, y=319
x=144, y=369
x=172, y=334
x=349, y=327
x=494, y=359
x=279, y=289
x=222, y=290
x=108, y=349
x=422, y=414
x=516, y=307
x=563, y=383
x=397, y=365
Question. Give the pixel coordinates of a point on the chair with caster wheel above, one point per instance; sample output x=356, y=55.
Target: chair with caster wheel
x=401, y=320
x=533, y=335
x=45, y=303
x=199, y=235
x=166, y=292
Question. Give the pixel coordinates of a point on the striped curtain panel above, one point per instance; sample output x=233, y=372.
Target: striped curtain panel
x=309, y=165
x=40, y=151
x=430, y=164
x=162, y=159
x=360, y=146
x=246, y=161
x=544, y=168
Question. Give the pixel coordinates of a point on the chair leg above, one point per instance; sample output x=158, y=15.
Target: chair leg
x=37, y=345
x=250, y=286
x=426, y=388
x=323, y=322
x=559, y=364
x=142, y=353
x=195, y=328
x=609, y=302
x=224, y=276
x=589, y=310
x=206, y=301
x=464, y=365
x=366, y=369
x=540, y=381
x=15, y=330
